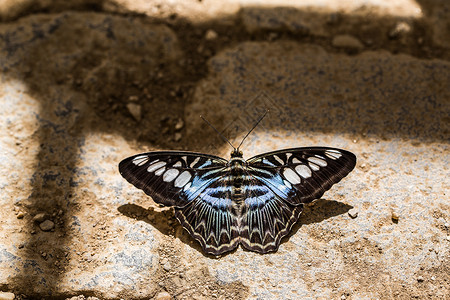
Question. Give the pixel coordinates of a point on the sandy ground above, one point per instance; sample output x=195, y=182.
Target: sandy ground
x=85, y=84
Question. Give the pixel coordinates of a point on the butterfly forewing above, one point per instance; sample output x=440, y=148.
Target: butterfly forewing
x=171, y=178
x=304, y=174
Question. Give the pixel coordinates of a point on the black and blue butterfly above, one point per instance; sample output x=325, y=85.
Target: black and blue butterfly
x=252, y=202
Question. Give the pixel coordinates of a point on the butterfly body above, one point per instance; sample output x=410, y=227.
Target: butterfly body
x=252, y=202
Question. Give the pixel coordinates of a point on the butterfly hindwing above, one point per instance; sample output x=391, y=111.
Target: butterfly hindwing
x=300, y=175
x=266, y=218
x=211, y=217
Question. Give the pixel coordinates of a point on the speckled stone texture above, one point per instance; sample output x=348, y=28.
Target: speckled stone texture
x=66, y=82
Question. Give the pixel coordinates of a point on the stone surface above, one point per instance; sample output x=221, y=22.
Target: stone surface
x=66, y=79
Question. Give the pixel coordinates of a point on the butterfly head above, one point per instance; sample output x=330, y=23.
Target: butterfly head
x=236, y=153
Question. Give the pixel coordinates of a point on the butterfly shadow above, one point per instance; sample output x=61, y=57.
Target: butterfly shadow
x=315, y=212
x=318, y=211
x=163, y=219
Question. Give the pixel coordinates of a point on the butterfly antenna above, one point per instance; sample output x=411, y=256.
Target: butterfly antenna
x=221, y=135
x=260, y=119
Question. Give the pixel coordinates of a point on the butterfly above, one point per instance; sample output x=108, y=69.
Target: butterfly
x=223, y=203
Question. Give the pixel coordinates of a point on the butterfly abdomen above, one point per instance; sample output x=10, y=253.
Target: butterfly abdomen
x=237, y=174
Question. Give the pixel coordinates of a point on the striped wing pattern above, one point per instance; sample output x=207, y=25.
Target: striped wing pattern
x=226, y=203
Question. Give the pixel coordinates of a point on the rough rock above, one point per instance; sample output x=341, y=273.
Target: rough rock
x=64, y=127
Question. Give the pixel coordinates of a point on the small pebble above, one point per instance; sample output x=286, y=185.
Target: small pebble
x=39, y=218
x=133, y=98
x=433, y=278
x=179, y=125
x=447, y=225
x=6, y=296
x=177, y=137
x=47, y=225
x=135, y=110
x=20, y=215
x=347, y=41
x=211, y=35
x=163, y=296
x=448, y=238
x=394, y=217
x=353, y=213
x=401, y=28
x=420, y=279
x=167, y=266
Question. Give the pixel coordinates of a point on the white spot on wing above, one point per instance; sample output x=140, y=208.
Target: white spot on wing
x=303, y=171
x=194, y=162
x=182, y=179
x=160, y=171
x=155, y=166
x=291, y=176
x=279, y=160
x=170, y=175
x=178, y=164
x=333, y=154
x=314, y=167
x=296, y=161
x=318, y=161
x=187, y=186
x=140, y=160
x=287, y=183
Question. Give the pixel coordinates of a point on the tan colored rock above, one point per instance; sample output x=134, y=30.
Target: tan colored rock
x=347, y=41
x=7, y=296
x=163, y=296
